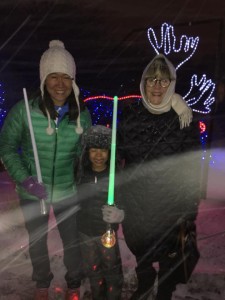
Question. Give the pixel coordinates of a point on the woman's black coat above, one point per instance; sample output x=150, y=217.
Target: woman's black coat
x=161, y=179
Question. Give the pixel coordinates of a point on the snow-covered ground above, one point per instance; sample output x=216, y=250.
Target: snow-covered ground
x=206, y=283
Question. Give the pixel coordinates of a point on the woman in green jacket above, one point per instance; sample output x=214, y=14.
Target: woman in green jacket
x=58, y=119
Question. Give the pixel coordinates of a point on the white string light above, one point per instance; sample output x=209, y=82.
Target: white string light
x=200, y=92
x=169, y=42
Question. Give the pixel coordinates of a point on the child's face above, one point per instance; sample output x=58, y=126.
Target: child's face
x=98, y=158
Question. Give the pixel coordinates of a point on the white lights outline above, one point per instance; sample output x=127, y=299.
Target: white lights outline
x=204, y=87
x=169, y=41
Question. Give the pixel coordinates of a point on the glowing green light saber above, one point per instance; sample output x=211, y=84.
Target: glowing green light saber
x=113, y=154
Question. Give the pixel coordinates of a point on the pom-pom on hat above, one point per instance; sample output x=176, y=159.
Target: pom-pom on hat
x=57, y=59
x=97, y=136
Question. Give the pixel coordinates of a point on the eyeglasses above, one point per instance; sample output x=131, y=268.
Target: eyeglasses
x=163, y=82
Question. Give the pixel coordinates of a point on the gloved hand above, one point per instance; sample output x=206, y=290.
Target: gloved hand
x=33, y=187
x=112, y=214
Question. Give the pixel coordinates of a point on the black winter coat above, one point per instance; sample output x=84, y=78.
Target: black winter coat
x=161, y=178
x=93, y=194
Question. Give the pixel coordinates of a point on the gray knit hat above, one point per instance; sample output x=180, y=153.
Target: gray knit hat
x=97, y=136
x=57, y=59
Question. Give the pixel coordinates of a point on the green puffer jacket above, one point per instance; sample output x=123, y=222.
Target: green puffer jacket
x=56, y=152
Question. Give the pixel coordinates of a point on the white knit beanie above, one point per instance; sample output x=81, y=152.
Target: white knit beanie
x=58, y=60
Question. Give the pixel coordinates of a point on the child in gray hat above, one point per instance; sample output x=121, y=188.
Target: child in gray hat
x=102, y=265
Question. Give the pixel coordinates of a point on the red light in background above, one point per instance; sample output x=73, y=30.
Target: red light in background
x=202, y=126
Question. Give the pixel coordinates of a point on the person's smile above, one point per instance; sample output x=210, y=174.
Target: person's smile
x=59, y=86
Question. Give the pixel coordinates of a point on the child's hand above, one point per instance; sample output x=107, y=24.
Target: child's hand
x=112, y=214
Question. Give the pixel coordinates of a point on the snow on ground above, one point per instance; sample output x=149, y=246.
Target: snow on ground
x=206, y=283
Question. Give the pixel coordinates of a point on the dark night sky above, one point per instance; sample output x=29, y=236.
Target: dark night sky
x=107, y=39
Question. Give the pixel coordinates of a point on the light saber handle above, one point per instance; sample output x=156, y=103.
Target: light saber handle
x=34, y=146
x=113, y=154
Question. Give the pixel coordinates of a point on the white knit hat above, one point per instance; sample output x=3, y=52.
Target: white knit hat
x=58, y=60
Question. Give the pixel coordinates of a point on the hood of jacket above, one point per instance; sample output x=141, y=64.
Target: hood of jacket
x=170, y=99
